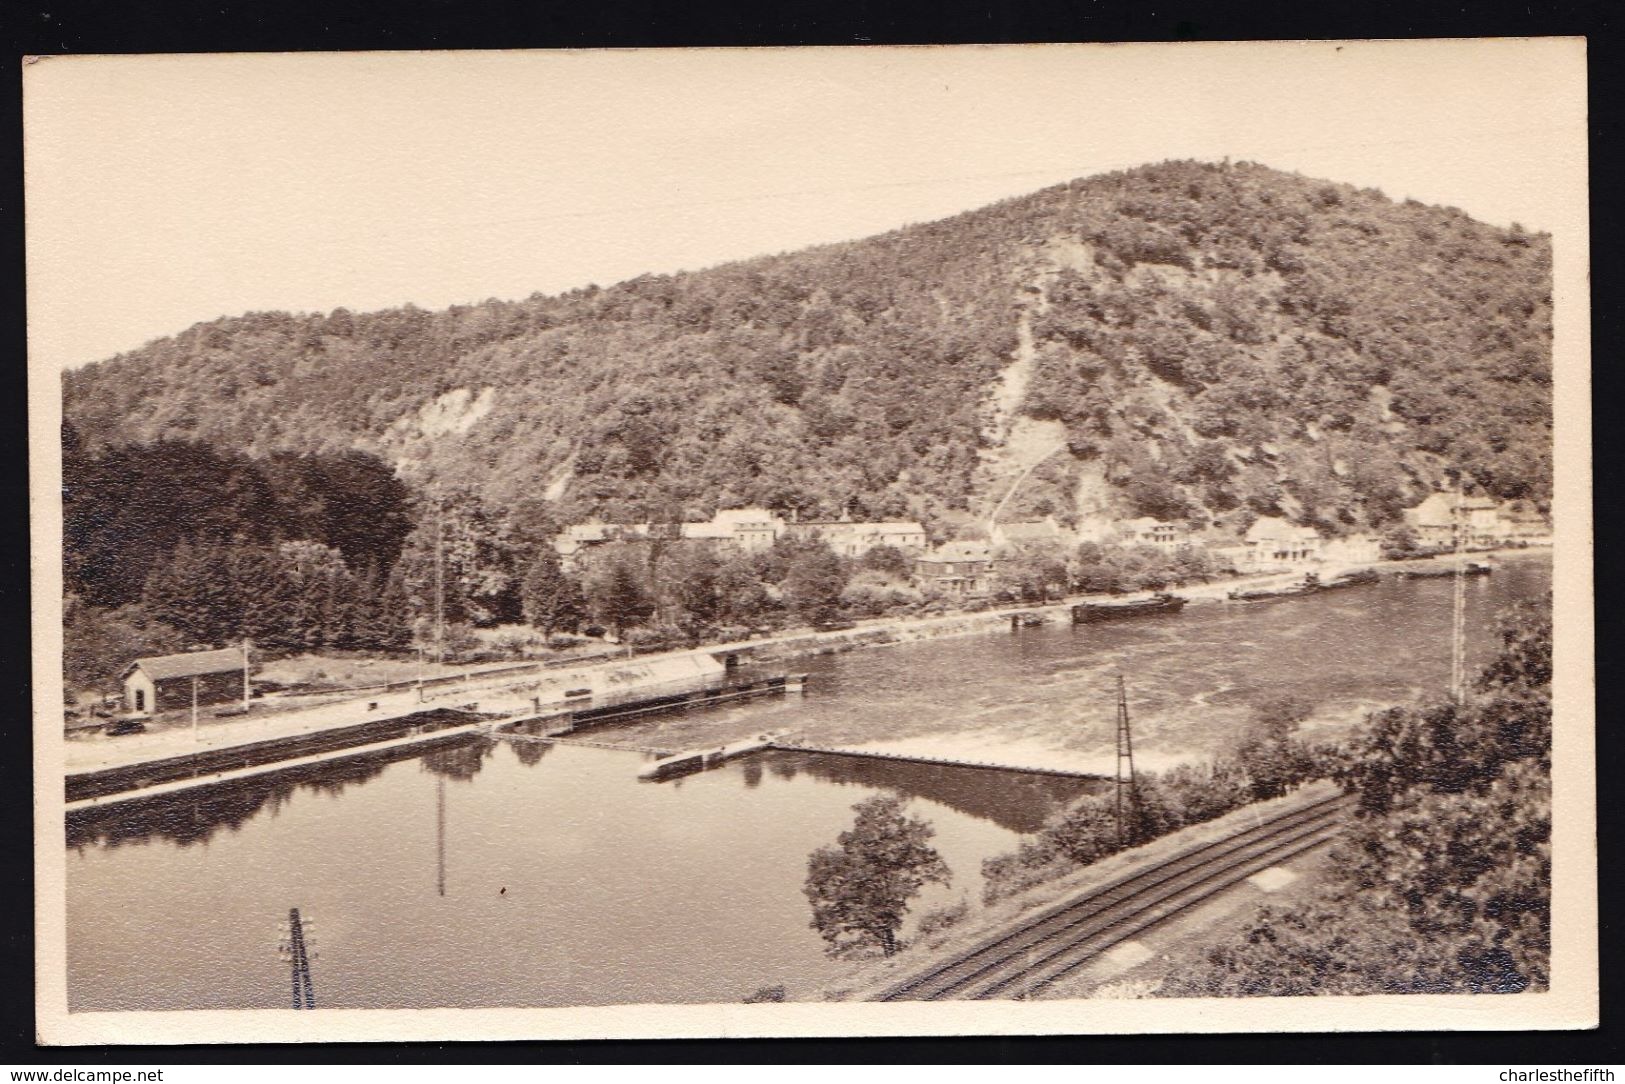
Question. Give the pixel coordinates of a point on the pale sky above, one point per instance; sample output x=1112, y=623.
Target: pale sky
x=167, y=190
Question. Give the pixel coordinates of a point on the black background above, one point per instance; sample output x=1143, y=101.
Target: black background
x=133, y=26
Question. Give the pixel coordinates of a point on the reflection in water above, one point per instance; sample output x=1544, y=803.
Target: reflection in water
x=196, y=815
x=1017, y=801
x=552, y=876
x=461, y=761
x=187, y=818
x=530, y=753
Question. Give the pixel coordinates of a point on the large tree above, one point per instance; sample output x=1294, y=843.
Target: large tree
x=1273, y=759
x=552, y=600
x=860, y=889
x=618, y=596
x=1031, y=571
x=813, y=581
x=694, y=588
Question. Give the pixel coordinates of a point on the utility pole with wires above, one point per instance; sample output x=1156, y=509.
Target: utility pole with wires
x=1458, y=613
x=296, y=947
x=440, y=835
x=1128, y=792
x=439, y=578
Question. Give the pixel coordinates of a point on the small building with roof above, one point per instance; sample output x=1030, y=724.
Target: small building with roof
x=1354, y=549
x=1027, y=531
x=1523, y=521
x=1159, y=534
x=956, y=568
x=1435, y=520
x=750, y=529
x=851, y=539
x=166, y=682
x=1272, y=542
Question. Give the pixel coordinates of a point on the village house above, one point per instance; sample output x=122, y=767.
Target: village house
x=1236, y=557
x=1272, y=542
x=1435, y=520
x=956, y=568
x=1355, y=549
x=572, y=542
x=1522, y=521
x=1159, y=534
x=748, y=529
x=1044, y=530
x=168, y=682
x=569, y=551
x=856, y=539
x=1483, y=517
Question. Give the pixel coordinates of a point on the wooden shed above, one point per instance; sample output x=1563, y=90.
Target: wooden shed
x=166, y=682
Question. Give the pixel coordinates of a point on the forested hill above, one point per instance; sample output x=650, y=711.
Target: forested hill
x=1180, y=340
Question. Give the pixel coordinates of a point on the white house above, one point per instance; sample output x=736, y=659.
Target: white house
x=1045, y=530
x=750, y=529
x=1522, y=521
x=1272, y=542
x=856, y=539
x=1436, y=518
x=1356, y=549
x=1160, y=534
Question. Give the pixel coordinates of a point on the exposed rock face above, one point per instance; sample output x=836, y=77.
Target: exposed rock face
x=1185, y=341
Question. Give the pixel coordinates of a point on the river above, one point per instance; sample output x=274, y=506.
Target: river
x=498, y=873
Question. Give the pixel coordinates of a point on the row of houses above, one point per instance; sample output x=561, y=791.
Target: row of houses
x=963, y=566
x=1481, y=521
x=749, y=530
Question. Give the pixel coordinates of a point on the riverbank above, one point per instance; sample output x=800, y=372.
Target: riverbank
x=887, y=631
x=510, y=688
x=976, y=690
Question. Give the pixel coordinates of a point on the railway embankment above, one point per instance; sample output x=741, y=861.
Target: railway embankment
x=872, y=979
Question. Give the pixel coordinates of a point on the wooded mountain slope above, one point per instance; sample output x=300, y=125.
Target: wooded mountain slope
x=1182, y=340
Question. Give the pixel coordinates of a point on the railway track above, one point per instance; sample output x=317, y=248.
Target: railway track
x=1047, y=947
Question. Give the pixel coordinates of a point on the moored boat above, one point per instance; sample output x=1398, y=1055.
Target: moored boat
x=1472, y=568
x=1162, y=603
x=1309, y=585
x=1353, y=579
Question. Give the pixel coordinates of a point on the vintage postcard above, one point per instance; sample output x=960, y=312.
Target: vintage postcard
x=1043, y=539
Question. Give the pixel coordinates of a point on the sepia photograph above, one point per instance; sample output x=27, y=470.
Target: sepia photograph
x=942, y=540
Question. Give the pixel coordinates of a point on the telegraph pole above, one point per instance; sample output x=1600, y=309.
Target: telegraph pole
x=440, y=834
x=194, y=707
x=1128, y=794
x=1458, y=613
x=246, y=687
x=295, y=949
x=439, y=578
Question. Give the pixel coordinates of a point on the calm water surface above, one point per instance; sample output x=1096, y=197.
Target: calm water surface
x=619, y=891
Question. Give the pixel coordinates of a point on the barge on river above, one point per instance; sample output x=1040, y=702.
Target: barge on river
x=1472, y=568
x=1308, y=586
x=1353, y=579
x=1087, y=612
